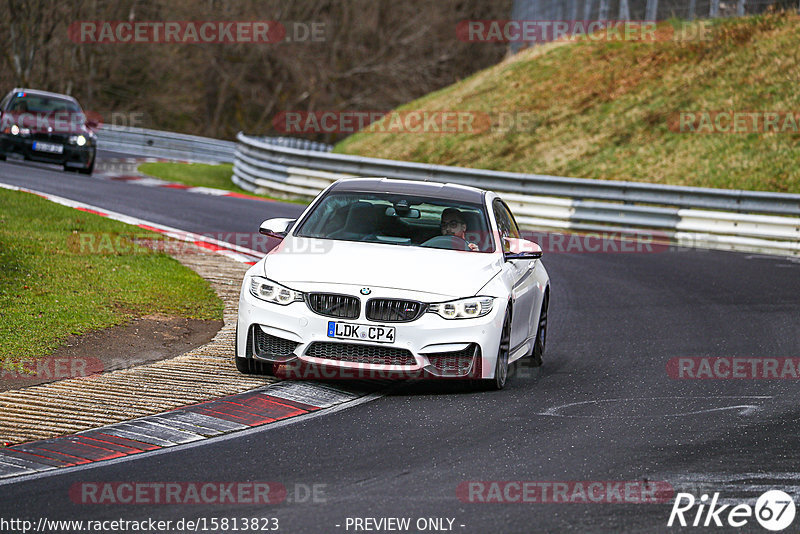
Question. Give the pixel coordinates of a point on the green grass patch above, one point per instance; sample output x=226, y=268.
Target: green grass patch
x=200, y=175
x=194, y=174
x=56, y=281
x=607, y=110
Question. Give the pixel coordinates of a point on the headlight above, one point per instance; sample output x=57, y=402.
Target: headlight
x=14, y=129
x=77, y=140
x=463, y=308
x=265, y=289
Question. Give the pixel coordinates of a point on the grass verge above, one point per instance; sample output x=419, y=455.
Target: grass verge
x=608, y=110
x=201, y=175
x=51, y=286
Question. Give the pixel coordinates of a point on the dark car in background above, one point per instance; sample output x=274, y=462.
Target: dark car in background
x=47, y=127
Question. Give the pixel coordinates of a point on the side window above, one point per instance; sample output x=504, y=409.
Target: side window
x=506, y=224
x=5, y=102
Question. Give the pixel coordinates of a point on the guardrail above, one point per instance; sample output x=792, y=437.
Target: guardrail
x=295, y=142
x=691, y=216
x=160, y=144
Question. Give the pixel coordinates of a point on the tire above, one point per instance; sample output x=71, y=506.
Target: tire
x=498, y=382
x=541, y=333
x=89, y=169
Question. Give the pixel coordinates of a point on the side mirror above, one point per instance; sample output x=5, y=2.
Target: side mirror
x=276, y=227
x=521, y=249
x=92, y=124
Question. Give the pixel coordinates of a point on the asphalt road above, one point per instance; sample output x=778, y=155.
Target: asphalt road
x=172, y=207
x=602, y=408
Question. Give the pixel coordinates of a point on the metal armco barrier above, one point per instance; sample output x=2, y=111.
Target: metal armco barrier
x=162, y=144
x=690, y=216
x=159, y=144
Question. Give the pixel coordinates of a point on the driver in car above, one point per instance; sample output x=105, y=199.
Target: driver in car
x=453, y=223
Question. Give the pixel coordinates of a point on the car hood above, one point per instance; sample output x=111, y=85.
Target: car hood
x=428, y=270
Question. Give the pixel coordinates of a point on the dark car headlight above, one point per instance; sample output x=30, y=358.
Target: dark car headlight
x=14, y=129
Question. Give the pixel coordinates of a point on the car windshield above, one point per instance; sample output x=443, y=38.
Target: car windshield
x=399, y=219
x=43, y=104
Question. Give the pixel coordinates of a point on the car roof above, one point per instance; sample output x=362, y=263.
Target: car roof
x=461, y=193
x=39, y=92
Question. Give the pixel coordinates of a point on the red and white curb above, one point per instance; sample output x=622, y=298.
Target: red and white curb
x=235, y=252
x=213, y=419
x=138, y=178
x=207, y=420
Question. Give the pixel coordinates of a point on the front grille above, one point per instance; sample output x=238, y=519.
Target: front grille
x=351, y=352
x=267, y=344
x=332, y=305
x=51, y=137
x=394, y=310
x=453, y=362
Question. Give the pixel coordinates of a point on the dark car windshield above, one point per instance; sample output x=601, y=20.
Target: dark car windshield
x=31, y=103
x=395, y=219
x=41, y=112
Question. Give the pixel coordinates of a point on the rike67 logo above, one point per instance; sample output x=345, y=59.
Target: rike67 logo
x=774, y=510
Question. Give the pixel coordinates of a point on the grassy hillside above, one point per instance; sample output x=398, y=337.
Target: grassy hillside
x=603, y=110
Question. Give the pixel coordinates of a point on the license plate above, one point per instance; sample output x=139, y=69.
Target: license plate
x=48, y=147
x=363, y=332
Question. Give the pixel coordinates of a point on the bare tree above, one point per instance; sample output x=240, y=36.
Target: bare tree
x=376, y=54
x=31, y=28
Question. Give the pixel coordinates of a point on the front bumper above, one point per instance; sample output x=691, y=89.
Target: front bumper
x=73, y=155
x=296, y=337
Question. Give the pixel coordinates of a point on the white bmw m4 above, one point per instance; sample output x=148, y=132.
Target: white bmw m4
x=383, y=278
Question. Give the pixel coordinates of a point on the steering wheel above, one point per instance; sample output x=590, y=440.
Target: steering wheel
x=451, y=242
